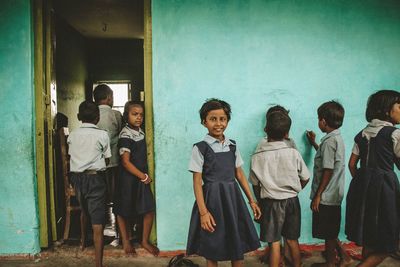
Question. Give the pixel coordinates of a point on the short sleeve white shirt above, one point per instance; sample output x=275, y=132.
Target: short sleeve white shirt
x=88, y=148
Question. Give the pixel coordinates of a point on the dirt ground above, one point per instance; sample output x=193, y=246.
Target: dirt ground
x=71, y=256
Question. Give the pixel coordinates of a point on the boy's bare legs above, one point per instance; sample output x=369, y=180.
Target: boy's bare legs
x=330, y=248
x=83, y=220
x=98, y=244
x=211, y=263
x=238, y=263
x=366, y=252
x=123, y=228
x=345, y=259
x=147, y=224
x=295, y=252
x=275, y=254
x=286, y=252
x=265, y=257
x=373, y=259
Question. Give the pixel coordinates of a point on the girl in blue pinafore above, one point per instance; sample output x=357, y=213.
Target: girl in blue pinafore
x=133, y=198
x=220, y=227
x=373, y=199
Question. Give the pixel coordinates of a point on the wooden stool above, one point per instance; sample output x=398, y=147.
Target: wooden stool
x=69, y=190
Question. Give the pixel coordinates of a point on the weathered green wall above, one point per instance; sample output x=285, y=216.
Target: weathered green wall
x=18, y=209
x=254, y=54
x=71, y=71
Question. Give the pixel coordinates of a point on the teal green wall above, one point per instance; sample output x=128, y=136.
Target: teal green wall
x=254, y=54
x=18, y=209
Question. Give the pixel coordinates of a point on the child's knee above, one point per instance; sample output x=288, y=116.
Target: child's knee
x=292, y=242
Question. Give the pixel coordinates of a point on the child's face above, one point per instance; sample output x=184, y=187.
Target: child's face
x=395, y=113
x=135, y=116
x=322, y=125
x=216, y=122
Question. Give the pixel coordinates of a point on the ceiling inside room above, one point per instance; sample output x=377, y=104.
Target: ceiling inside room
x=103, y=18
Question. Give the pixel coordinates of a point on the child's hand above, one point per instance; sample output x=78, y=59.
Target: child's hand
x=256, y=210
x=207, y=222
x=311, y=137
x=315, y=203
x=147, y=179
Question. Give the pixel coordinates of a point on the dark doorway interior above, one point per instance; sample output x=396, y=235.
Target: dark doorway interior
x=96, y=41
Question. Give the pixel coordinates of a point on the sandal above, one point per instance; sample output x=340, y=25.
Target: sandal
x=180, y=261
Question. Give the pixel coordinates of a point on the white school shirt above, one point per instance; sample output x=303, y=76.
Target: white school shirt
x=330, y=155
x=111, y=121
x=197, y=159
x=89, y=146
x=278, y=168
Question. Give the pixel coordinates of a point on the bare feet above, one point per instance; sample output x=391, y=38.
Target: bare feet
x=151, y=248
x=82, y=245
x=264, y=258
x=322, y=264
x=129, y=249
x=346, y=262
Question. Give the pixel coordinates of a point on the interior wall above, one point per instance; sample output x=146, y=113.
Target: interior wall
x=117, y=59
x=71, y=71
x=254, y=54
x=18, y=206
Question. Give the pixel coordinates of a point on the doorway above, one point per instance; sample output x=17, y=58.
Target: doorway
x=94, y=41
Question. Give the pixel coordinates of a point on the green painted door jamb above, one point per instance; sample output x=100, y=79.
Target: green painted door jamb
x=40, y=109
x=148, y=100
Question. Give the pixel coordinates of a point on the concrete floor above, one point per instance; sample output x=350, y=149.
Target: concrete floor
x=71, y=256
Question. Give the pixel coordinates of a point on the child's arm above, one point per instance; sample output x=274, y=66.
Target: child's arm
x=257, y=192
x=255, y=183
x=206, y=219
x=304, y=183
x=302, y=171
x=311, y=139
x=127, y=164
x=353, y=164
x=326, y=177
x=240, y=176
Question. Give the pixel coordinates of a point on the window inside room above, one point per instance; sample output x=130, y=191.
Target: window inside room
x=121, y=93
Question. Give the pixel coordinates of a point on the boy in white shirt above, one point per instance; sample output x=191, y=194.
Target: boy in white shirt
x=281, y=173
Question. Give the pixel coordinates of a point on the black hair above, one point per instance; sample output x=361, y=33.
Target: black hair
x=127, y=107
x=278, y=125
x=276, y=108
x=101, y=92
x=213, y=104
x=273, y=109
x=61, y=120
x=380, y=104
x=332, y=112
x=88, y=112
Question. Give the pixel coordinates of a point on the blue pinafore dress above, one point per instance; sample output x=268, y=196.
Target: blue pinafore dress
x=373, y=199
x=133, y=198
x=234, y=233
